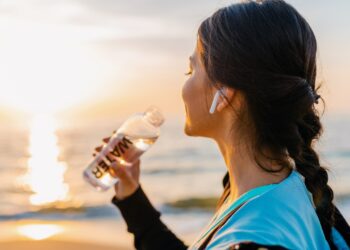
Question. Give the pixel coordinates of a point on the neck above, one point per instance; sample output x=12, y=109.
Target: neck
x=244, y=173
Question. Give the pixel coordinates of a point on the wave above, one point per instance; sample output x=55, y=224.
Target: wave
x=179, y=170
x=196, y=205
x=342, y=197
x=109, y=211
x=338, y=153
x=68, y=213
x=209, y=203
x=206, y=203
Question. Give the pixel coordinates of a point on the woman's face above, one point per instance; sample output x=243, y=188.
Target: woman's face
x=197, y=94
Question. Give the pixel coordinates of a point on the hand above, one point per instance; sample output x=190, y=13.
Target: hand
x=128, y=176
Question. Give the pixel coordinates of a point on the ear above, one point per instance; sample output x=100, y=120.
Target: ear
x=223, y=103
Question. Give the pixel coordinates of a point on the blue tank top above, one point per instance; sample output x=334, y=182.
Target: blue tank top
x=275, y=214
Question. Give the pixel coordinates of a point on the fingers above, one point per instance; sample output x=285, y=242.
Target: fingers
x=123, y=171
x=106, y=140
x=111, y=158
x=118, y=171
x=99, y=148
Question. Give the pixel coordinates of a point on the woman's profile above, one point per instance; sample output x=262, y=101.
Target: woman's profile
x=252, y=89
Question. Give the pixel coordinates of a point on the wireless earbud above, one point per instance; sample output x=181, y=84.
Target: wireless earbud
x=215, y=101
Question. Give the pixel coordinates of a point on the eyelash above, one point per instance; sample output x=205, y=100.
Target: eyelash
x=189, y=72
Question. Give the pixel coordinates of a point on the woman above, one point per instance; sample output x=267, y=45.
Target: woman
x=257, y=60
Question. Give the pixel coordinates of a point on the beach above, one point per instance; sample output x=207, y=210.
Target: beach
x=54, y=245
x=88, y=233
x=44, y=234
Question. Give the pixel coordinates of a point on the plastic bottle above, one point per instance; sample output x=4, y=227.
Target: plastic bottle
x=135, y=136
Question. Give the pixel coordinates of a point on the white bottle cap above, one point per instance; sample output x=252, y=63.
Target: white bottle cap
x=154, y=116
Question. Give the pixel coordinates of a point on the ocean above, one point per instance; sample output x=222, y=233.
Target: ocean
x=41, y=169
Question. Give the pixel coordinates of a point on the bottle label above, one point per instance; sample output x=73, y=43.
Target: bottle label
x=99, y=170
x=119, y=150
x=121, y=146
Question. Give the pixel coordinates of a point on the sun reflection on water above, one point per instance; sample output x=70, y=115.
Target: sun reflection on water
x=39, y=231
x=45, y=176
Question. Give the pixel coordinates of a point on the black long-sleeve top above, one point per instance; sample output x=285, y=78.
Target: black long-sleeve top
x=150, y=233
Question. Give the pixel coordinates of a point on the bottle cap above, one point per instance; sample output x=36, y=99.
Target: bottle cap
x=154, y=116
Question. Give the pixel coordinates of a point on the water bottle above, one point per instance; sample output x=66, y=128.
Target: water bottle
x=127, y=144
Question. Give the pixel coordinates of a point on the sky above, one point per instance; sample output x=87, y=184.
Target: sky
x=94, y=58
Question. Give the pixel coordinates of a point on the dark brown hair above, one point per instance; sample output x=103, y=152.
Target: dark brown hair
x=267, y=51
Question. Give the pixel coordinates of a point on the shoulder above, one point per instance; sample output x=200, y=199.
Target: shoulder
x=283, y=215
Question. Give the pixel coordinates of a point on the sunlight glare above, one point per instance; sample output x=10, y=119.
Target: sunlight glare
x=39, y=231
x=48, y=67
x=45, y=175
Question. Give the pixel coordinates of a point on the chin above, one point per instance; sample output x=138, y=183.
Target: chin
x=196, y=131
x=187, y=129
x=191, y=130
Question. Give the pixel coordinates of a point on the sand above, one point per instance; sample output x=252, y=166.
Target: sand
x=80, y=235
x=98, y=234
x=54, y=245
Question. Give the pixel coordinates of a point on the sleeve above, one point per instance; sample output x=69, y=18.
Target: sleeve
x=143, y=221
x=255, y=246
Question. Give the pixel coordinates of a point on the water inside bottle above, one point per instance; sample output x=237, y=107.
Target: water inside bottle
x=140, y=146
x=124, y=150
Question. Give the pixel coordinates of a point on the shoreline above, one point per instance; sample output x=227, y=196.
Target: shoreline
x=43, y=234
x=92, y=234
x=55, y=245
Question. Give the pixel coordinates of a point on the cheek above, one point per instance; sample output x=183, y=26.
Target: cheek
x=190, y=93
x=185, y=94
x=193, y=95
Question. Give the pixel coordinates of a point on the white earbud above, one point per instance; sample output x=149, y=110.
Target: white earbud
x=215, y=101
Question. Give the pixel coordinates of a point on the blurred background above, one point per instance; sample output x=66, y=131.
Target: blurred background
x=71, y=71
